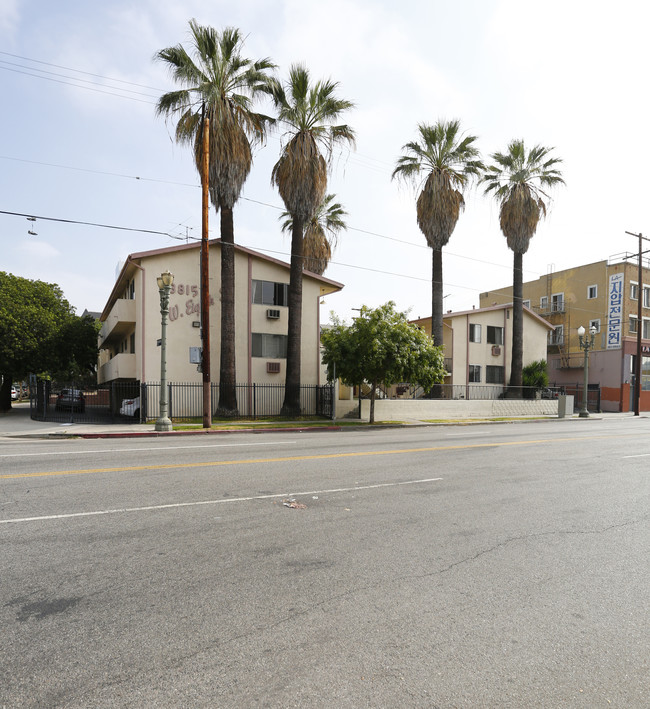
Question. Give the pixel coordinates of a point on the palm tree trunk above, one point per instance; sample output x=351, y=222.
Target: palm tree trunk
x=291, y=405
x=436, y=309
x=517, y=362
x=227, y=370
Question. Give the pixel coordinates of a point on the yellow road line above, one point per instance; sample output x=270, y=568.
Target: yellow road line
x=324, y=456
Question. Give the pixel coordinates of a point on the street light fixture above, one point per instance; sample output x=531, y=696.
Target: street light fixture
x=165, y=281
x=586, y=344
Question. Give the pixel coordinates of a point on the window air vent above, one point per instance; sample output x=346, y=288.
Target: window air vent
x=272, y=313
x=496, y=350
x=273, y=367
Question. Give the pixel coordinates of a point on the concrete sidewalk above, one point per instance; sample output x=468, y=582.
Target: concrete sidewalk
x=17, y=423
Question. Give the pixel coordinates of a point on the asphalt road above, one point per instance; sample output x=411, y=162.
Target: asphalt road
x=461, y=566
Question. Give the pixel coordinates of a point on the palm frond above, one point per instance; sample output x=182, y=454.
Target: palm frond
x=441, y=163
x=309, y=113
x=516, y=179
x=216, y=78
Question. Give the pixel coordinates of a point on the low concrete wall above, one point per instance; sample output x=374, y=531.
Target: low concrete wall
x=425, y=409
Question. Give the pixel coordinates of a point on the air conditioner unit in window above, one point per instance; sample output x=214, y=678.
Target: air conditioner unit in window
x=273, y=367
x=496, y=350
x=273, y=314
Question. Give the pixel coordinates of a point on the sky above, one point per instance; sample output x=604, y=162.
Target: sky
x=81, y=141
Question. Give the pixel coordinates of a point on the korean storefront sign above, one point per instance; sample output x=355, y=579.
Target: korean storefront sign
x=615, y=311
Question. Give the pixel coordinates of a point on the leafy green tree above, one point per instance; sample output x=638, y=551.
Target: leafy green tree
x=220, y=83
x=442, y=160
x=39, y=333
x=516, y=180
x=308, y=113
x=381, y=347
x=321, y=233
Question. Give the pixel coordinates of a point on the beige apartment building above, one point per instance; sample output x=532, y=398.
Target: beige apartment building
x=603, y=295
x=477, y=343
x=131, y=319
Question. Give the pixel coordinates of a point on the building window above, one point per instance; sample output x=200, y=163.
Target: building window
x=557, y=303
x=634, y=323
x=543, y=302
x=594, y=323
x=645, y=371
x=556, y=337
x=474, y=373
x=495, y=375
x=592, y=292
x=646, y=297
x=526, y=303
x=646, y=329
x=267, y=345
x=269, y=293
x=132, y=342
x=474, y=333
x=634, y=291
x=494, y=335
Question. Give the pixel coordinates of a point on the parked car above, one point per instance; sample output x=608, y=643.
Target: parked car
x=14, y=393
x=70, y=400
x=131, y=407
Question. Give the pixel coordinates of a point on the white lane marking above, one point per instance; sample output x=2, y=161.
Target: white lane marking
x=153, y=448
x=175, y=505
x=639, y=455
x=475, y=433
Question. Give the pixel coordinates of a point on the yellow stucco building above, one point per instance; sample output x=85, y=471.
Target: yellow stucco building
x=603, y=295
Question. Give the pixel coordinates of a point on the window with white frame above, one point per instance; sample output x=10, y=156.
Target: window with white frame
x=557, y=302
x=556, y=337
x=592, y=292
x=543, y=302
x=634, y=324
x=594, y=324
x=474, y=332
x=646, y=329
x=646, y=296
x=474, y=373
x=526, y=303
x=634, y=290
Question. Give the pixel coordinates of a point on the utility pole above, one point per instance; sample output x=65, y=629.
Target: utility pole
x=639, y=326
x=205, y=277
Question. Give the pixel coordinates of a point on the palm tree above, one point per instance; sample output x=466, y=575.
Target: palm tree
x=309, y=113
x=516, y=180
x=317, y=247
x=220, y=83
x=444, y=160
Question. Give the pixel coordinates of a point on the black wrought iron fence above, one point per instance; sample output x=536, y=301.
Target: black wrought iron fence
x=135, y=402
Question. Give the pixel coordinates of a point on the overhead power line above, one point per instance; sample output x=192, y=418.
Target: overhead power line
x=31, y=217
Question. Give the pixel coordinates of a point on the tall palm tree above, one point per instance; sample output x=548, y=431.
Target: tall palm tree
x=317, y=245
x=220, y=83
x=309, y=113
x=516, y=179
x=443, y=161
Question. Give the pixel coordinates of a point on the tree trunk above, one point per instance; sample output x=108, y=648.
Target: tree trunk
x=291, y=405
x=517, y=362
x=227, y=371
x=373, y=392
x=436, y=309
x=5, y=393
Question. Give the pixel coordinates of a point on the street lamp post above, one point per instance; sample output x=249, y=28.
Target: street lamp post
x=165, y=281
x=586, y=344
